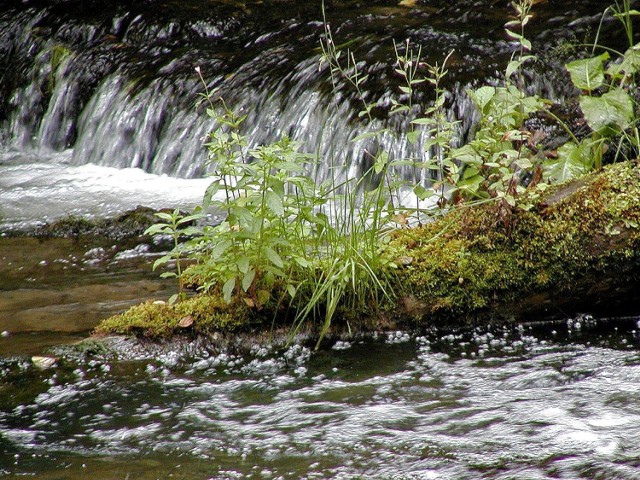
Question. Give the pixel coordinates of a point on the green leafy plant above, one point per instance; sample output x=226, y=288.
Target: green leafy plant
x=607, y=95
x=315, y=251
x=282, y=233
x=440, y=132
x=494, y=162
x=175, y=225
x=255, y=246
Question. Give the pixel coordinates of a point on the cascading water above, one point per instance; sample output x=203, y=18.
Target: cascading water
x=117, y=84
x=113, y=85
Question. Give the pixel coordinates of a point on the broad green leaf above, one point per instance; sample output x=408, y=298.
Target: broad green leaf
x=512, y=67
x=413, y=136
x=609, y=114
x=303, y=262
x=274, y=203
x=630, y=63
x=524, y=163
x=243, y=264
x=248, y=278
x=190, y=218
x=381, y=162
x=482, y=96
x=164, y=216
x=510, y=200
x=291, y=290
x=573, y=161
x=422, y=193
x=273, y=257
x=588, y=74
x=514, y=35
x=271, y=272
x=431, y=142
x=423, y=121
x=158, y=228
x=219, y=249
x=366, y=135
x=190, y=231
x=161, y=261
x=467, y=154
x=471, y=183
x=227, y=289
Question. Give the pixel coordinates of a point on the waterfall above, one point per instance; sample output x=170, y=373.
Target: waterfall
x=119, y=88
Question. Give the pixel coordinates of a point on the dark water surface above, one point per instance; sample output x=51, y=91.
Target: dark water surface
x=56, y=291
x=557, y=401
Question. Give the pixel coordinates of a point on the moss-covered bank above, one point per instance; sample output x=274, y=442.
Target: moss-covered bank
x=572, y=246
x=576, y=239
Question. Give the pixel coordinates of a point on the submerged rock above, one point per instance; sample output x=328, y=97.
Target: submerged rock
x=129, y=224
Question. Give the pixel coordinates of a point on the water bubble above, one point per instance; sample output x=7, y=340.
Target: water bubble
x=339, y=345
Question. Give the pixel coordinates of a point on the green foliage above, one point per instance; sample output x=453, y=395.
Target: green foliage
x=588, y=74
x=282, y=233
x=176, y=225
x=268, y=206
x=493, y=163
x=610, y=114
x=574, y=160
x=607, y=99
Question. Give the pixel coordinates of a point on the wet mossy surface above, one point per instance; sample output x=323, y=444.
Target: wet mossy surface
x=572, y=246
x=129, y=224
x=473, y=265
x=199, y=315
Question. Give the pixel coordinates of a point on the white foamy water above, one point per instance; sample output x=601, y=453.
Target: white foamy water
x=41, y=188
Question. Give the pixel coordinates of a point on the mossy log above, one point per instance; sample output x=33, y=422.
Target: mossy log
x=574, y=247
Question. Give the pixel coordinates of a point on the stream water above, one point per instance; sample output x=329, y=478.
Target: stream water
x=557, y=401
x=97, y=116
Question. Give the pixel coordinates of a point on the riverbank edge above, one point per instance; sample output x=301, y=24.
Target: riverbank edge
x=570, y=249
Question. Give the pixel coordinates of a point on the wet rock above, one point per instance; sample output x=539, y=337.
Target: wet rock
x=44, y=362
x=130, y=224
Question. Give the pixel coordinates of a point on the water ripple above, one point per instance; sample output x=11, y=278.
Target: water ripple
x=530, y=407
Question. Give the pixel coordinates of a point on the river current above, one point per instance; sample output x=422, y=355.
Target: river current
x=525, y=402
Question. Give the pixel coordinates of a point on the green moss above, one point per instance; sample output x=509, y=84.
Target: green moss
x=469, y=261
x=58, y=54
x=159, y=319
